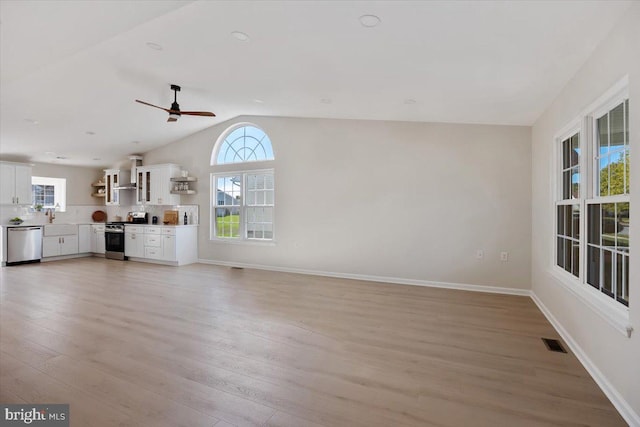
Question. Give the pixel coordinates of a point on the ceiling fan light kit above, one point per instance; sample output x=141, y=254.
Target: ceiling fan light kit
x=174, y=111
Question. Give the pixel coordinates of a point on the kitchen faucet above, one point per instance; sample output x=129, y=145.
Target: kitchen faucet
x=51, y=215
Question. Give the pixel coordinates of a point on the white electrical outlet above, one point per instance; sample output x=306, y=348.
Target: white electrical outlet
x=504, y=256
x=479, y=254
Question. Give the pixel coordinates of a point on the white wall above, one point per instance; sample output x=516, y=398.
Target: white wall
x=617, y=357
x=390, y=199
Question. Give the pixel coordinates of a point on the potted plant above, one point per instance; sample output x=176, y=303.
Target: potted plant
x=38, y=208
x=15, y=221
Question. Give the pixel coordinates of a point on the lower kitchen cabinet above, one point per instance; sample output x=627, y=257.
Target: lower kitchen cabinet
x=59, y=240
x=59, y=245
x=169, y=248
x=84, y=238
x=173, y=245
x=134, y=241
x=97, y=239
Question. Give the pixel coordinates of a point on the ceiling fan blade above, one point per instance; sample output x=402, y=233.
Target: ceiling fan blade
x=198, y=113
x=151, y=105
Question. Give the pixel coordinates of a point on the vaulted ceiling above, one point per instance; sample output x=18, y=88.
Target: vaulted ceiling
x=71, y=70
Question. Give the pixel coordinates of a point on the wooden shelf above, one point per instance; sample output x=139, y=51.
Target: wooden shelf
x=98, y=184
x=183, y=192
x=184, y=179
x=98, y=194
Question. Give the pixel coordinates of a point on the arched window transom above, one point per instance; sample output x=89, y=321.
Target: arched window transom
x=245, y=144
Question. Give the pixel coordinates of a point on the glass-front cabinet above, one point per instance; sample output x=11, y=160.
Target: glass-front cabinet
x=154, y=184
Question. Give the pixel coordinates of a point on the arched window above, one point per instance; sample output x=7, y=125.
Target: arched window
x=242, y=143
x=242, y=201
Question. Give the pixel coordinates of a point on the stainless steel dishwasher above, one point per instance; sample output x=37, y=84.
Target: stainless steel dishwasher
x=24, y=244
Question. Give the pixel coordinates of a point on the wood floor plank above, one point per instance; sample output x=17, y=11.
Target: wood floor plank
x=205, y=345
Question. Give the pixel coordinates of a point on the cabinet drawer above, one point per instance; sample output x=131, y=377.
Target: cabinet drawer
x=153, y=230
x=133, y=229
x=153, y=253
x=169, y=230
x=154, y=240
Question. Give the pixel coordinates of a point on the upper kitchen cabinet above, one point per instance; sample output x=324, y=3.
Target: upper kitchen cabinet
x=114, y=196
x=15, y=184
x=154, y=184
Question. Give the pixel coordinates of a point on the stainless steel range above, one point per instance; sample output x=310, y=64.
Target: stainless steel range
x=114, y=240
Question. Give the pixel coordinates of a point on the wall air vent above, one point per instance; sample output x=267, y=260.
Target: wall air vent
x=554, y=345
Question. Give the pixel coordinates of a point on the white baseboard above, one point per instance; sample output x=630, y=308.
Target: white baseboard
x=609, y=390
x=382, y=279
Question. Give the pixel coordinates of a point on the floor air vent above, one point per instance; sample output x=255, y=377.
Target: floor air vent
x=554, y=345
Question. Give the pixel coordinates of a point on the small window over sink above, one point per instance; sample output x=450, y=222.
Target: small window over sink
x=49, y=193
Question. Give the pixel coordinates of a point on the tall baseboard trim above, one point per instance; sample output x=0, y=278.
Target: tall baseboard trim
x=608, y=389
x=382, y=279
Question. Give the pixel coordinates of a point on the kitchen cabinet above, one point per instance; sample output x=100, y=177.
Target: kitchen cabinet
x=97, y=239
x=15, y=184
x=154, y=184
x=134, y=241
x=113, y=179
x=84, y=238
x=59, y=240
x=173, y=245
x=169, y=244
x=153, y=243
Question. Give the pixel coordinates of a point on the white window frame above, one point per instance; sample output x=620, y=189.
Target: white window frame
x=59, y=192
x=606, y=307
x=242, y=207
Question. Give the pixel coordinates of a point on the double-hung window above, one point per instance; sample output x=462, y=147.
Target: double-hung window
x=592, y=201
x=243, y=200
x=244, y=205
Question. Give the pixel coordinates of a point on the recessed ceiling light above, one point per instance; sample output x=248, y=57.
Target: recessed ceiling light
x=32, y=121
x=61, y=157
x=239, y=35
x=154, y=46
x=97, y=158
x=326, y=101
x=370, y=21
x=49, y=153
x=89, y=132
x=258, y=101
x=135, y=142
x=410, y=101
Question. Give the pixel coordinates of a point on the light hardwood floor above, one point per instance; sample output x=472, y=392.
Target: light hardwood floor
x=134, y=344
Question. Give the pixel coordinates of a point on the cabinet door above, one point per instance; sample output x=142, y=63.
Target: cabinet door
x=112, y=196
x=50, y=246
x=169, y=248
x=23, y=185
x=156, y=187
x=7, y=184
x=84, y=238
x=100, y=244
x=69, y=245
x=134, y=245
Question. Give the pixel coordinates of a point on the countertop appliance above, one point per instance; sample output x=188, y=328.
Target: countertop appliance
x=138, y=217
x=114, y=240
x=24, y=244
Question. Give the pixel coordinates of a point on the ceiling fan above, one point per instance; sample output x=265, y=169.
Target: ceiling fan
x=174, y=111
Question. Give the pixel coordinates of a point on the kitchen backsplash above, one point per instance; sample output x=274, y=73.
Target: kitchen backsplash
x=82, y=213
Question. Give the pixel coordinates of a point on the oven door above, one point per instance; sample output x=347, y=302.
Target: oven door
x=114, y=244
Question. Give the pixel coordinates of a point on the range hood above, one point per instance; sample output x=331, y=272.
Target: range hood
x=135, y=162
